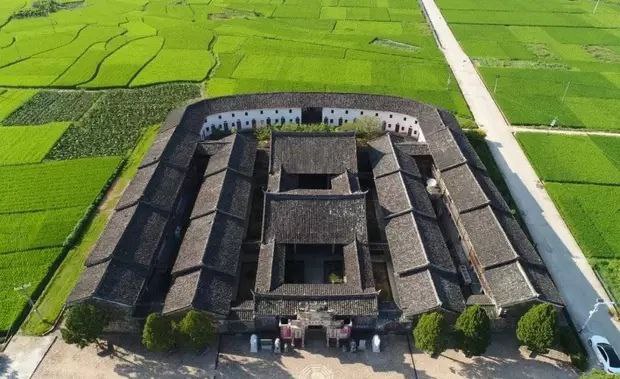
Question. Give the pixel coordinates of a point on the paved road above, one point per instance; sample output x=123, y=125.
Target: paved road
x=564, y=131
x=23, y=355
x=573, y=275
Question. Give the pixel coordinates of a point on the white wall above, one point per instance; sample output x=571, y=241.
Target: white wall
x=242, y=120
x=246, y=119
x=392, y=121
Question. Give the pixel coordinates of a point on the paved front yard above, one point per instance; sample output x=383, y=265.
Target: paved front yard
x=504, y=360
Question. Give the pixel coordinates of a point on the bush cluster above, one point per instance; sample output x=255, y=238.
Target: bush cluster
x=365, y=128
x=195, y=331
x=536, y=328
x=84, y=324
x=473, y=331
x=430, y=333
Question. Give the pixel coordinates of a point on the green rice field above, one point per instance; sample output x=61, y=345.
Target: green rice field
x=41, y=204
x=81, y=85
x=545, y=60
x=582, y=176
x=239, y=46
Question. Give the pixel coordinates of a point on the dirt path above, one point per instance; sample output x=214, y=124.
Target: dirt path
x=568, y=266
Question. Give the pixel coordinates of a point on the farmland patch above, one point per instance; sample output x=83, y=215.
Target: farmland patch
x=28, y=144
x=116, y=121
x=51, y=106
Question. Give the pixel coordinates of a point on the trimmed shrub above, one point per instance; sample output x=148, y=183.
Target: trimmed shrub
x=536, y=328
x=158, y=334
x=196, y=330
x=430, y=333
x=84, y=324
x=473, y=330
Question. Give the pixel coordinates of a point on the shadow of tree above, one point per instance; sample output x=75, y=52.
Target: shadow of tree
x=5, y=368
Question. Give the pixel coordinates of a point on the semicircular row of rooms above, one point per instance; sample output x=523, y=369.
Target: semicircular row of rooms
x=258, y=118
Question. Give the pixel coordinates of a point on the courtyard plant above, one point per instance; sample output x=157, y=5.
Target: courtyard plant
x=158, y=333
x=536, y=328
x=430, y=333
x=196, y=330
x=473, y=331
x=84, y=324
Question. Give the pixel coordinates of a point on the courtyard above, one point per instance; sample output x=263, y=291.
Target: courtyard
x=397, y=360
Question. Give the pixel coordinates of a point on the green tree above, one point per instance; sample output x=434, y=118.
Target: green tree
x=597, y=374
x=473, y=330
x=430, y=333
x=196, y=330
x=536, y=328
x=84, y=324
x=158, y=334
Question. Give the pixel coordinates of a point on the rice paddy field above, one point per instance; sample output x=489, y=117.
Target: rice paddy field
x=80, y=85
x=59, y=152
x=236, y=46
x=582, y=175
x=545, y=60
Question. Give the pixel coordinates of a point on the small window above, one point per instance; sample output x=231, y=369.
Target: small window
x=332, y=111
x=389, y=125
x=361, y=112
x=376, y=114
x=345, y=121
x=416, y=121
x=233, y=115
x=346, y=112
x=276, y=111
x=246, y=113
x=212, y=126
x=247, y=123
x=219, y=116
x=404, y=118
x=290, y=120
x=390, y=116
x=290, y=111
x=331, y=121
x=261, y=112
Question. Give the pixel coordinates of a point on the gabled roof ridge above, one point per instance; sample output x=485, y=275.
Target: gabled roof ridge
x=410, y=210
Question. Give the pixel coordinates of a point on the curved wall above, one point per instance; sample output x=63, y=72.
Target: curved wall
x=244, y=112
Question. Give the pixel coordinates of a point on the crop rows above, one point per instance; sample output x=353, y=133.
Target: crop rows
x=545, y=61
x=237, y=46
x=40, y=206
x=52, y=185
x=51, y=106
x=10, y=100
x=115, y=123
x=582, y=175
x=17, y=269
x=28, y=144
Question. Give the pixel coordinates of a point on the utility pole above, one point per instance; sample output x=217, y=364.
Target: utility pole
x=22, y=290
x=448, y=83
x=598, y=303
x=595, y=6
x=565, y=91
x=495, y=85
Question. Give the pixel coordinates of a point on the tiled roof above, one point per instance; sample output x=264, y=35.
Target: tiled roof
x=313, y=153
x=299, y=218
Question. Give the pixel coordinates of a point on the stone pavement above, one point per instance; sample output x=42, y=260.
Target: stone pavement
x=22, y=356
x=569, y=268
x=503, y=359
